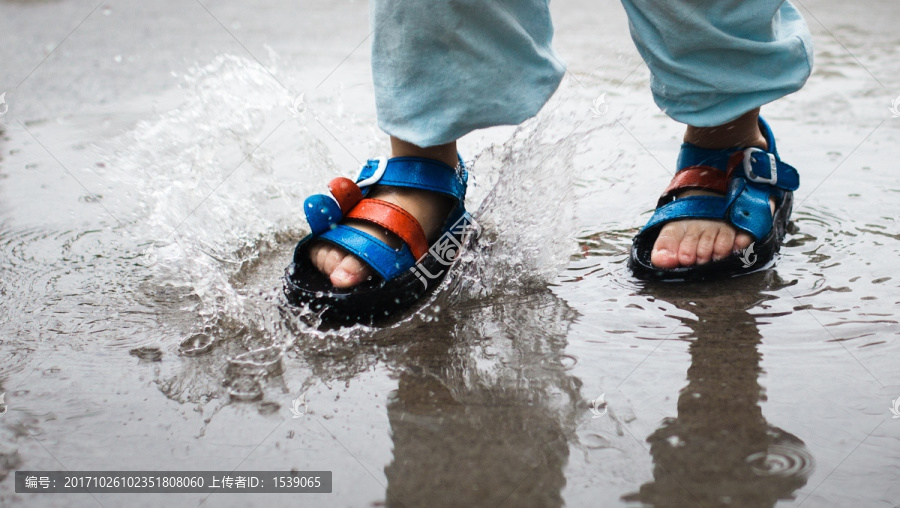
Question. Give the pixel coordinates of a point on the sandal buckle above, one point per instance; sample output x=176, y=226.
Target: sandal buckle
x=748, y=167
x=379, y=172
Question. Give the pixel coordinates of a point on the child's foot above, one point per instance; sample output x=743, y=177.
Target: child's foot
x=698, y=241
x=346, y=270
x=430, y=209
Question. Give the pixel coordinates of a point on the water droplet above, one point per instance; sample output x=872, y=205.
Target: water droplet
x=196, y=345
x=245, y=389
x=268, y=407
x=675, y=441
x=260, y=361
x=147, y=353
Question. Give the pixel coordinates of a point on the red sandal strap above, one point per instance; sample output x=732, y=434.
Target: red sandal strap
x=696, y=177
x=394, y=219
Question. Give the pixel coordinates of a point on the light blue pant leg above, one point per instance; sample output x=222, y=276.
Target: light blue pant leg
x=713, y=60
x=442, y=69
x=445, y=68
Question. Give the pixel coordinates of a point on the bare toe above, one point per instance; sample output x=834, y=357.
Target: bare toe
x=687, y=251
x=326, y=257
x=317, y=254
x=742, y=241
x=333, y=259
x=665, y=250
x=706, y=244
x=724, y=244
x=350, y=272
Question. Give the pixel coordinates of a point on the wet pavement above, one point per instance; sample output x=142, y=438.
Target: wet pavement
x=152, y=164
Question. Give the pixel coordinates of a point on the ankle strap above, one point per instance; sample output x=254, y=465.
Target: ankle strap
x=416, y=173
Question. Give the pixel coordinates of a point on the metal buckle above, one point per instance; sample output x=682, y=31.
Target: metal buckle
x=748, y=168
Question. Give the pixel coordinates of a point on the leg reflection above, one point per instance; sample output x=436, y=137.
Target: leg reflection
x=482, y=412
x=719, y=450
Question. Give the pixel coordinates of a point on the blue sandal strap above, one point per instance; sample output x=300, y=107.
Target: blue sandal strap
x=419, y=173
x=748, y=205
x=691, y=207
x=387, y=262
x=692, y=155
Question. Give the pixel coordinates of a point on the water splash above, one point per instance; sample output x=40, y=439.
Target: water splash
x=527, y=218
x=210, y=195
x=214, y=196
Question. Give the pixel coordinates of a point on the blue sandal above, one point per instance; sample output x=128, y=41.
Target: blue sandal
x=403, y=276
x=747, y=178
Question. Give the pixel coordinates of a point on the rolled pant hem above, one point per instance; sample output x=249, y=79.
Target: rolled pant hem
x=731, y=106
x=448, y=119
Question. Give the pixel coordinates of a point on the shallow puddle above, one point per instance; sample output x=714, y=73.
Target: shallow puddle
x=150, y=192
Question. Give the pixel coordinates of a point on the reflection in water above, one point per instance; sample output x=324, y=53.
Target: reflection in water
x=719, y=450
x=484, y=409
